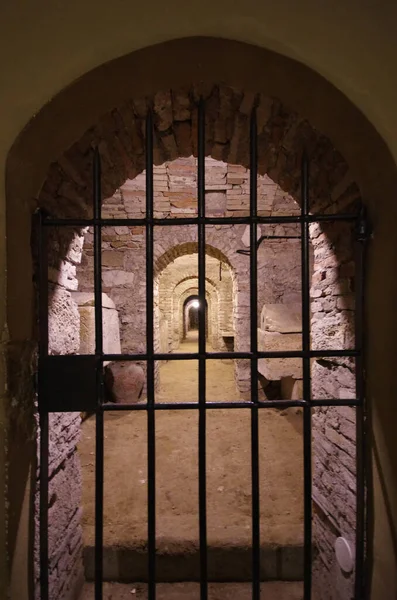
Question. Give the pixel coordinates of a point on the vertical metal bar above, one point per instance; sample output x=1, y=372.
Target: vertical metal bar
x=99, y=425
x=202, y=366
x=361, y=437
x=254, y=359
x=151, y=437
x=307, y=417
x=42, y=233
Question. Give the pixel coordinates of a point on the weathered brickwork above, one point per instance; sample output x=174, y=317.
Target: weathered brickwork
x=124, y=255
x=64, y=516
x=282, y=135
x=179, y=281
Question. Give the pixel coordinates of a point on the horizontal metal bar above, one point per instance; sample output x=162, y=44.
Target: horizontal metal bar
x=198, y=220
x=177, y=356
x=282, y=404
x=208, y=405
x=233, y=355
x=337, y=402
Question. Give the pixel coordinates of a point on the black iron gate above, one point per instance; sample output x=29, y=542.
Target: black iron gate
x=56, y=374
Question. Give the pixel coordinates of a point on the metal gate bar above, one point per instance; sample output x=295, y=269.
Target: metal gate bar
x=317, y=218
x=247, y=355
x=256, y=566
x=307, y=410
x=42, y=299
x=362, y=447
x=47, y=404
x=202, y=424
x=99, y=416
x=151, y=436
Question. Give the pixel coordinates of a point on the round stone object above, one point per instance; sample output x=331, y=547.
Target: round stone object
x=344, y=554
x=124, y=382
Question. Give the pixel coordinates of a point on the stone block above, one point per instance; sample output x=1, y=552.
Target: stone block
x=297, y=390
x=282, y=318
x=291, y=389
x=111, y=327
x=63, y=316
x=215, y=202
x=164, y=333
x=115, y=278
x=246, y=235
x=112, y=258
x=274, y=369
x=64, y=275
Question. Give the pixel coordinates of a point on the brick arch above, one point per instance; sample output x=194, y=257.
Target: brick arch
x=191, y=247
x=212, y=299
x=177, y=291
x=193, y=276
x=190, y=282
x=119, y=135
x=218, y=305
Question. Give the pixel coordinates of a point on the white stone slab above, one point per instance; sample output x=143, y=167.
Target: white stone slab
x=273, y=369
x=282, y=318
x=87, y=299
x=111, y=326
x=246, y=235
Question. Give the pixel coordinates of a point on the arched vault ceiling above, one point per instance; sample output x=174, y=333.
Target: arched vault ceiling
x=352, y=44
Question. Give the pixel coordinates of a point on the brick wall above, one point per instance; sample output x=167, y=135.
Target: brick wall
x=64, y=516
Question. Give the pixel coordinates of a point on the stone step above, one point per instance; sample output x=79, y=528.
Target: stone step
x=272, y=590
x=178, y=562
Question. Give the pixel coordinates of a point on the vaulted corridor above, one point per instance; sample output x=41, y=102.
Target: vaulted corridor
x=228, y=484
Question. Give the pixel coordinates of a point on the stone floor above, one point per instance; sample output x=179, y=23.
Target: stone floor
x=271, y=590
x=228, y=485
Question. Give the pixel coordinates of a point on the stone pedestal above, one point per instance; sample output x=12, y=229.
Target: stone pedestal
x=281, y=331
x=110, y=323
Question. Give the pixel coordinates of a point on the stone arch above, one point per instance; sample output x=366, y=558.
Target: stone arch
x=185, y=308
x=168, y=249
x=188, y=277
x=190, y=304
x=282, y=136
x=219, y=250
x=59, y=124
x=183, y=248
x=174, y=316
x=220, y=304
x=212, y=299
x=170, y=281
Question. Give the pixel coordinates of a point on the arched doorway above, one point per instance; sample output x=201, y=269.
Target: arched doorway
x=321, y=278
x=191, y=315
x=325, y=284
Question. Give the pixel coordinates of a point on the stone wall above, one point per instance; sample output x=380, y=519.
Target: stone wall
x=64, y=516
x=180, y=277
x=175, y=195
x=334, y=430
x=110, y=324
